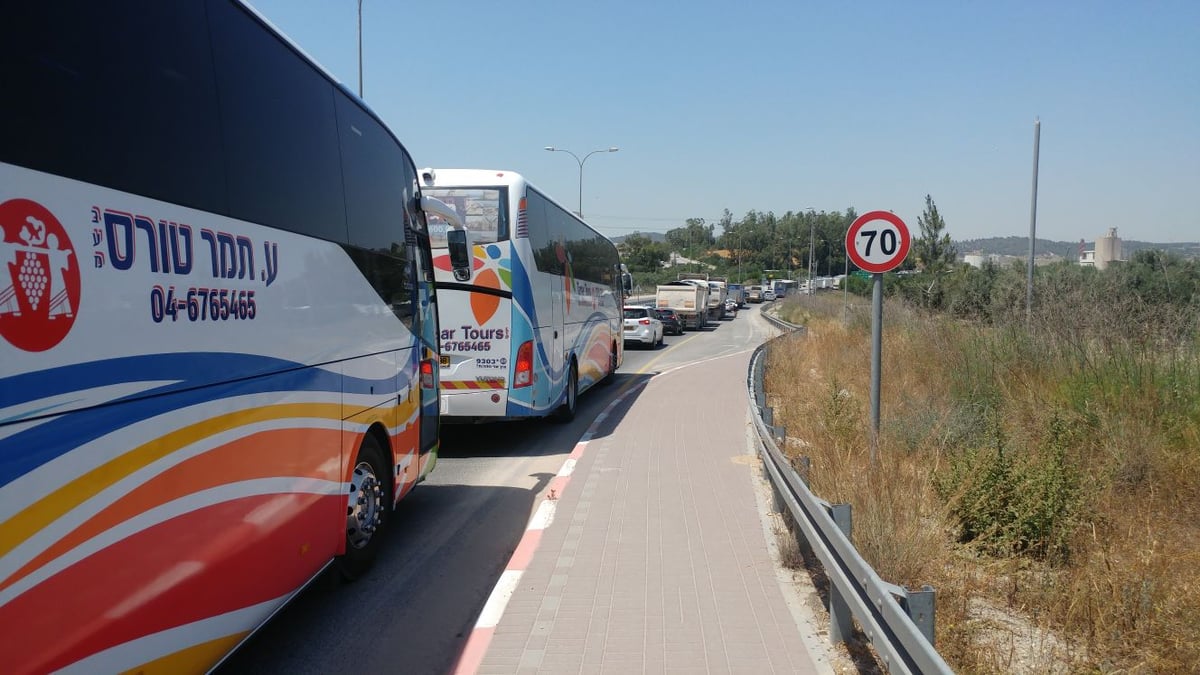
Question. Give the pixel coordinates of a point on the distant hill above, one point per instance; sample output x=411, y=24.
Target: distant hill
x=1019, y=246
x=652, y=236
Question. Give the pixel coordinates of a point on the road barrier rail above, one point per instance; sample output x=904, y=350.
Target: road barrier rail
x=898, y=622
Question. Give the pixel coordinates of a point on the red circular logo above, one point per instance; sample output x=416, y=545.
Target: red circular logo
x=39, y=277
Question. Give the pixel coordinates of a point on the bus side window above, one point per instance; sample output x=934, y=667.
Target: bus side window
x=280, y=130
x=377, y=205
x=142, y=118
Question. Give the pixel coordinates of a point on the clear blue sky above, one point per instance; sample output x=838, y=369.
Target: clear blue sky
x=786, y=105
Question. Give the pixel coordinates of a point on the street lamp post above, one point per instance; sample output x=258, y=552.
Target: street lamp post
x=812, y=229
x=551, y=148
x=812, y=225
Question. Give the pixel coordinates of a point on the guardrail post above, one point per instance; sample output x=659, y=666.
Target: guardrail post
x=841, y=626
x=920, y=607
x=768, y=416
x=760, y=368
x=841, y=517
x=805, y=465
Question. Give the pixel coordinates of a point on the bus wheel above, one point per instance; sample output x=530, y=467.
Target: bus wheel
x=367, y=510
x=566, y=412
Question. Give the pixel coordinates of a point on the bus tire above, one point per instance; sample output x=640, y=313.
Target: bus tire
x=566, y=411
x=368, y=509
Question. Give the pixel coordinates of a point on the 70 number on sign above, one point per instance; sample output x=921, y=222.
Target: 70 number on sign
x=888, y=241
x=877, y=241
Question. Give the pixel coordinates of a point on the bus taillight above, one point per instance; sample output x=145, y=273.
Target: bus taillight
x=427, y=374
x=523, y=376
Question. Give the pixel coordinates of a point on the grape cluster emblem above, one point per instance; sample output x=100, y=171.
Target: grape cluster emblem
x=33, y=274
x=39, y=277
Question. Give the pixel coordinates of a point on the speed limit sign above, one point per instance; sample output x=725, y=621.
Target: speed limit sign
x=877, y=241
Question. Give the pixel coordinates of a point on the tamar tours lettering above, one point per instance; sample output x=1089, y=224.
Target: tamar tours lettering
x=237, y=268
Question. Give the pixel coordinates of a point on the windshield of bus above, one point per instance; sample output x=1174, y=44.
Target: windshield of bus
x=483, y=210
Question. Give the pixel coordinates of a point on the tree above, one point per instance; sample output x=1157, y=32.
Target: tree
x=933, y=250
x=934, y=253
x=642, y=254
x=694, y=237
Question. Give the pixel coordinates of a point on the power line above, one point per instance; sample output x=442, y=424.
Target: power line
x=680, y=219
x=633, y=228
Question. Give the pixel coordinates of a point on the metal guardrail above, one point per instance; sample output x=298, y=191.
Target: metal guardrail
x=898, y=622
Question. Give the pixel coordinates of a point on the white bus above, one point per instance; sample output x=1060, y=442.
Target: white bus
x=541, y=319
x=229, y=391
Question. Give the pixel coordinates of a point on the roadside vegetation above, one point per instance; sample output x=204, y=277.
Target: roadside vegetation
x=1041, y=472
x=742, y=250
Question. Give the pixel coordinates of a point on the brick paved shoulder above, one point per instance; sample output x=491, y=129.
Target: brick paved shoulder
x=657, y=560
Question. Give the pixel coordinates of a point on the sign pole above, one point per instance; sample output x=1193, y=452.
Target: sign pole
x=877, y=249
x=876, y=359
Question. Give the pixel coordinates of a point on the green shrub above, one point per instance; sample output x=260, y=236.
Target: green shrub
x=1016, y=503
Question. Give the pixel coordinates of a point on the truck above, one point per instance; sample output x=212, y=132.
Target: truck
x=737, y=293
x=689, y=300
x=754, y=294
x=785, y=287
x=716, y=292
x=721, y=287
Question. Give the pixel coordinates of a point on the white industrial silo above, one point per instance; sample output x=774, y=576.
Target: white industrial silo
x=1108, y=248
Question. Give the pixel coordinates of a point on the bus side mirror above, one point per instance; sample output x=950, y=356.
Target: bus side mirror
x=627, y=282
x=460, y=254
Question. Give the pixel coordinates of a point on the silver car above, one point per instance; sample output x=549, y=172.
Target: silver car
x=641, y=325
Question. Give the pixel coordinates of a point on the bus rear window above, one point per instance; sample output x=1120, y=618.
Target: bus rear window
x=483, y=210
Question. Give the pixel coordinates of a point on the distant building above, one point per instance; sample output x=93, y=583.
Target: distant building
x=1108, y=249
x=978, y=259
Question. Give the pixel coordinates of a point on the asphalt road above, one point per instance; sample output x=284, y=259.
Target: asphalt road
x=453, y=535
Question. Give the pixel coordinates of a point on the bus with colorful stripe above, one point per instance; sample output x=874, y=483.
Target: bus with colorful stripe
x=231, y=390
x=540, y=321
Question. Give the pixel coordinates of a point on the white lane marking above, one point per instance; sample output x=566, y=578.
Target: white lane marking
x=568, y=467
x=498, y=600
x=543, y=516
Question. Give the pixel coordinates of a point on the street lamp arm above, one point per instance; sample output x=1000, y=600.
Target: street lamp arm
x=585, y=157
x=551, y=148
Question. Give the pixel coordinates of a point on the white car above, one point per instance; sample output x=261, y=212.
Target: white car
x=641, y=325
x=768, y=295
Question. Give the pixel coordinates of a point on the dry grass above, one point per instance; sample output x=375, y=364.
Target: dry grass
x=1093, y=443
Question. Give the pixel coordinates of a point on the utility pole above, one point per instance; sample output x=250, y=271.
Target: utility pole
x=1037, y=138
x=812, y=228
x=739, y=245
